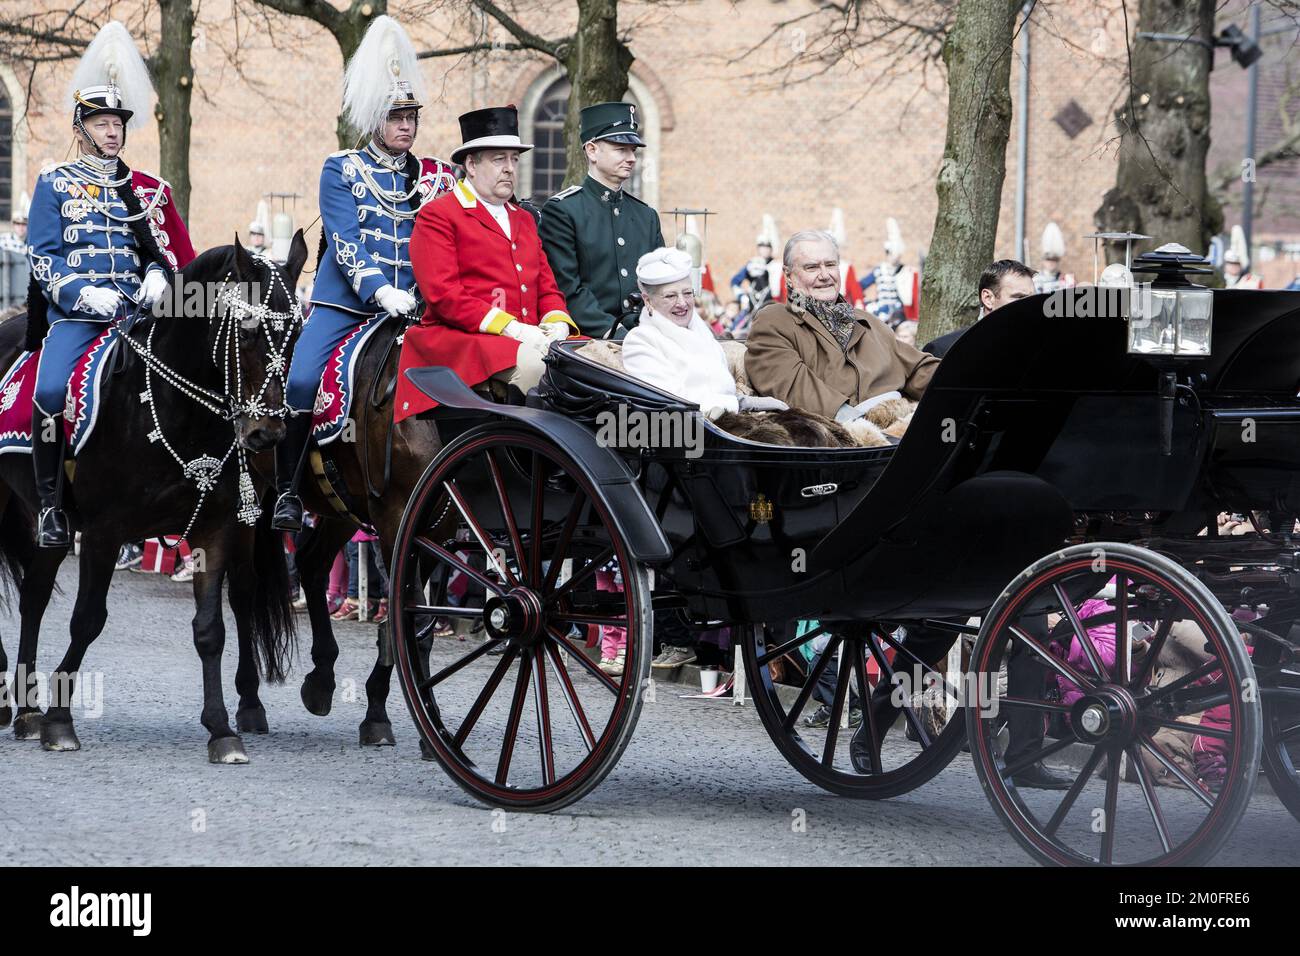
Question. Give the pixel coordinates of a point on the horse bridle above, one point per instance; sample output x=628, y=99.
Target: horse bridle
x=233, y=314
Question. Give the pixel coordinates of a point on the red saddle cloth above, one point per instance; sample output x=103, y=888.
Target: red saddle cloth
x=81, y=410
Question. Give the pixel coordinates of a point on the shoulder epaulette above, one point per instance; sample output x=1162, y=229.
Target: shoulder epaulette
x=563, y=193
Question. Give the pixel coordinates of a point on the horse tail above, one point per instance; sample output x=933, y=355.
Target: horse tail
x=17, y=547
x=273, y=628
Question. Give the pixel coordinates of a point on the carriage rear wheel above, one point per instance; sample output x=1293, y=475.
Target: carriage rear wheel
x=504, y=529
x=1157, y=769
x=912, y=729
x=1281, y=749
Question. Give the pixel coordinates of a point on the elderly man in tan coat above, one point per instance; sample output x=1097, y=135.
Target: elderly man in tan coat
x=816, y=352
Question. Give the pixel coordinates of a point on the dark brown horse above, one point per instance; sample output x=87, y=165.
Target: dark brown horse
x=201, y=389
x=369, y=471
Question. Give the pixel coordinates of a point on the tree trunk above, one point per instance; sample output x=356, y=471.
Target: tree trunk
x=1164, y=125
x=597, y=64
x=174, y=75
x=977, y=52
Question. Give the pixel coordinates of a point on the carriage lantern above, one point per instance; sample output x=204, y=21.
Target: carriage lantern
x=1171, y=317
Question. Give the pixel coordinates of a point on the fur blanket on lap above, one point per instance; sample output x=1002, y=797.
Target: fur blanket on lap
x=794, y=427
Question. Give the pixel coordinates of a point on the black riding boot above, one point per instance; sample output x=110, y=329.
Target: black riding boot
x=47, y=462
x=289, y=456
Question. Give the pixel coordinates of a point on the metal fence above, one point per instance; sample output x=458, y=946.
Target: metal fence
x=13, y=279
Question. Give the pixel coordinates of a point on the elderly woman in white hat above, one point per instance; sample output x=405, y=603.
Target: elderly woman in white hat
x=673, y=348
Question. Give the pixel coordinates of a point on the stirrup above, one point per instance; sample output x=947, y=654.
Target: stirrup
x=52, y=529
x=288, y=513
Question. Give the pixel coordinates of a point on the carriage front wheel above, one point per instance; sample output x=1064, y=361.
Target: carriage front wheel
x=1155, y=764
x=505, y=533
x=810, y=678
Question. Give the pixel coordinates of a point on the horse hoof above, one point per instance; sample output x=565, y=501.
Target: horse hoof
x=58, y=737
x=227, y=750
x=316, y=699
x=377, y=733
x=6, y=715
x=426, y=752
x=251, y=720
x=28, y=726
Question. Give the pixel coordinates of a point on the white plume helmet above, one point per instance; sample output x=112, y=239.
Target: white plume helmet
x=382, y=74
x=768, y=232
x=23, y=209
x=1053, y=243
x=837, y=227
x=893, y=238
x=263, y=218
x=112, y=59
x=1237, y=245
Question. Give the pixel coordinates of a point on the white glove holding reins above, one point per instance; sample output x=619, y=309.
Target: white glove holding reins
x=98, y=300
x=395, y=302
x=153, y=288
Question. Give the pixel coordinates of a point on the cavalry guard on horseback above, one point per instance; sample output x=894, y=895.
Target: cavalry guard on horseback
x=103, y=240
x=368, y=201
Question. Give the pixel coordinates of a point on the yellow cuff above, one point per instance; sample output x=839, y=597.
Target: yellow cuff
x=495, y=321
x=555, y=315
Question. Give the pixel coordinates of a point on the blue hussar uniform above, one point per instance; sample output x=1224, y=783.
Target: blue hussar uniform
x=94, y=248
x=367, y=208
x=80, y=237
x=368, y=201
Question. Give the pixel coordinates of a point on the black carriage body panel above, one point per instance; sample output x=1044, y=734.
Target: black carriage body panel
x=605, y=469
x=1062, y=400
x=744, y=517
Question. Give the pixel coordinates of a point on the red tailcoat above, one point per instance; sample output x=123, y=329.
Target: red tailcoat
x=470, y=274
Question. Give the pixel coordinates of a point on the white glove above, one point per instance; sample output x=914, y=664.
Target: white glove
x=529, y=335
x=153, y=288
x=98, y=301
x=394, y=301
x=761, y=403
x=848, y=413
x=555, y=331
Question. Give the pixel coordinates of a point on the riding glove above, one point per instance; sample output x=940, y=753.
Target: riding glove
x=98, y=301
x=529, y=335
x=394, y=301
x=153, y=288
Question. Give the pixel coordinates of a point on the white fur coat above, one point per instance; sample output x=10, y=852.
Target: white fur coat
x=687, y=361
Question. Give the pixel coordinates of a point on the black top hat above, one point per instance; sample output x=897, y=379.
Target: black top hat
x=496, y=127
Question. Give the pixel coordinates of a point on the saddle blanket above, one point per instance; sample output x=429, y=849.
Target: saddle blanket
x=82, y=408
x=334, y=400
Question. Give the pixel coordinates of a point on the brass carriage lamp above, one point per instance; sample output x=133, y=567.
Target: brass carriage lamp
x=1172, y=316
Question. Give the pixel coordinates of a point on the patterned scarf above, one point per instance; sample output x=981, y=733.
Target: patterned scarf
x=837, y=316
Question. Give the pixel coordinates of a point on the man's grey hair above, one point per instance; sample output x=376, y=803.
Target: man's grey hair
x=807, y=235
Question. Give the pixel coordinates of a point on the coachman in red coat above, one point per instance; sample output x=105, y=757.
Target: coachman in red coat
x=492, y=305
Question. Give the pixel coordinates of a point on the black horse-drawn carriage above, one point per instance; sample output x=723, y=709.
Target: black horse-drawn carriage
x=1037, y=546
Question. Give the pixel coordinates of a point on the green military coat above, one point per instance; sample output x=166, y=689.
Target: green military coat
x=593, y=237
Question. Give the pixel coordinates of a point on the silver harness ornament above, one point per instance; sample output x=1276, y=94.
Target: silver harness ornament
x=234, y=315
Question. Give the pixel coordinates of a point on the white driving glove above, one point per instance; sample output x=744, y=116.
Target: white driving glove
x=98, y=301
x=152, y=288
x=529, y=335
x=394, y=301
x=761, y=403
x=555, y=331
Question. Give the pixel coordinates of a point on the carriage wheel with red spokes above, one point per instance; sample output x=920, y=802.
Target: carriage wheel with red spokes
x=913, y=728
x=508, y=528
x=1157, y=769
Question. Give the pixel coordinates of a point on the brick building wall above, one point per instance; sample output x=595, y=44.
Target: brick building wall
x=726, y=139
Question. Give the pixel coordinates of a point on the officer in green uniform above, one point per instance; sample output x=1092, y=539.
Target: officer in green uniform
x=595, y=232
